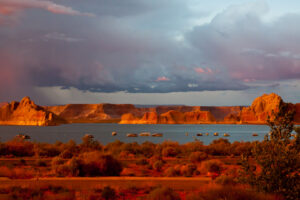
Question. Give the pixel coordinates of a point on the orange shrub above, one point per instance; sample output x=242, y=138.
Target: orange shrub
x=197, y=156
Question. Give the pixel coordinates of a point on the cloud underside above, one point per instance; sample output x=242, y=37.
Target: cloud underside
x=107, y=53
x=10, y=7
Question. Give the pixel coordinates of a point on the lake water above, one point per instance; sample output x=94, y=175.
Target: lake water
x=102, y=132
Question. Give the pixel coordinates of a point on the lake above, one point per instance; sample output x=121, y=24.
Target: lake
x=102, y=132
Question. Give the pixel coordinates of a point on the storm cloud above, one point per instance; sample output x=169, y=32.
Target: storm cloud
x=142, y=47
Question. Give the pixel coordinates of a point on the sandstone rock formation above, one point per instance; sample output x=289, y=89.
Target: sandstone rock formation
x=3, y=104
x=260, y=109
x=258, y=112
x=170, y=117
x=129, y=118
x=26, y=112
x=91, y=113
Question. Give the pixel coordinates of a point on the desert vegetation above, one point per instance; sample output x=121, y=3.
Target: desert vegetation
x=270, y=167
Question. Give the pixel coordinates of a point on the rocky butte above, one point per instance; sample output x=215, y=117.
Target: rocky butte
x=27, y=112
x=259, y=111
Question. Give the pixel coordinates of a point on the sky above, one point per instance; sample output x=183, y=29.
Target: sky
x=191, y=52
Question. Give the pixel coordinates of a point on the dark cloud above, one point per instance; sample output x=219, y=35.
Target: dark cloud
x=239, y=41
x=132, y=47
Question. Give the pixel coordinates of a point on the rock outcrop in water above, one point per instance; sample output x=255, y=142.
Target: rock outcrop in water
x=26, y=112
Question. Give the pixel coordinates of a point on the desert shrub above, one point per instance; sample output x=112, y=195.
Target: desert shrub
x=225, y=180
x=74, y=166
x=62, y=170
x=212, y=166
x=229, y=192
x=126, y=155
x=192, y=147
x=5, y=171
x=241, y=148
x=3, y=149
x=171, y=172
x=220, y=146
x=169, y=148
x=148, y=149
x=48, y=150
x=133, y=148
x=157, y=166
x=23, y=173
x=19, y=148
x=97, y=164
x=68, y=153
x=163, y=193
x=142, y=161
x=188, y=170
x=70, y=168
x=197, y=156
x=57, y=161
x=108, y=193
x=170, y=151
x=16, y=173
x=40, y=163
x=277, y=157
x=89, y=144
x=57, y=165
x=114, y=148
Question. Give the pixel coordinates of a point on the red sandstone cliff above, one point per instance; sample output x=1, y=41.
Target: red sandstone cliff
x=260, y=109
x=26, y=112
x=3, y=104
x=93, y=112
x=170, y=117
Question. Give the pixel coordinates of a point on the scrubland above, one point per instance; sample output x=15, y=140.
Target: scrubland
x=125, y=170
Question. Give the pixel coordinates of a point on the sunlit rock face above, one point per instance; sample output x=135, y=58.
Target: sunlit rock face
x=3, y=104
x=26, y=112
x=93, y=112
x=170, y=117
x=257, y=113
x=220, y=112
x=262, y=107
x=129, y=118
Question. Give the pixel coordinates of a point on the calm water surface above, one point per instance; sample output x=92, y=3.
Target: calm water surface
x=102, y=132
